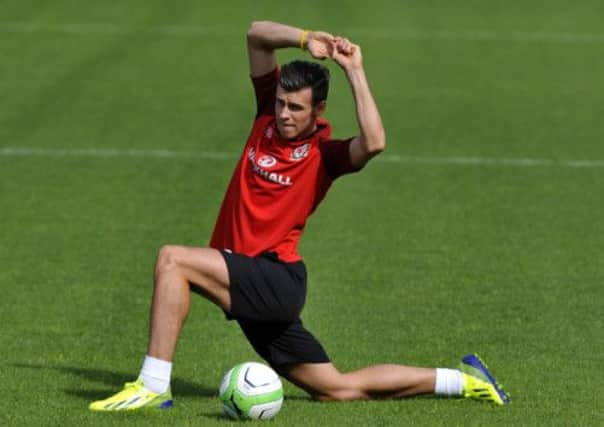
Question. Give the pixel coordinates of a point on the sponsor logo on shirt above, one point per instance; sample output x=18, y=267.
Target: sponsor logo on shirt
x=267, y=161
x=300, y=152
x=259, y=168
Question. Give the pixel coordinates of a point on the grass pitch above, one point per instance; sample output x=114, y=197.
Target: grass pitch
x=480, y=229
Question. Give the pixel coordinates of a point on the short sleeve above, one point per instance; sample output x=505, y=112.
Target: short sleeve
x=265, y=87
x=336, y=157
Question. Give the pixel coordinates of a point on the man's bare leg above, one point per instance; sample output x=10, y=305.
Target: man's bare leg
x=324, y=382
x=178, y=269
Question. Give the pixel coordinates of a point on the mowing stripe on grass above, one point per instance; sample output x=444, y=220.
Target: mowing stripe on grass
x=224, y=155
x=371, y=33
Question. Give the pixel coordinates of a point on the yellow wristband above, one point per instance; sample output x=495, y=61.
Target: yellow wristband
x=303, y=37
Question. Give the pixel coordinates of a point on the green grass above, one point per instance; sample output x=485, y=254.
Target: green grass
x=409, y=261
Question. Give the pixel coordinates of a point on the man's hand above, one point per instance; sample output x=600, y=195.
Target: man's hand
x=346, y=54
x=320, y=44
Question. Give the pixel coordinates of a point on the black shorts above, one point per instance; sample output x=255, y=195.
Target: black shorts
x=267, y=297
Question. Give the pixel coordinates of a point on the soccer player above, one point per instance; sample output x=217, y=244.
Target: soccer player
x=252, y=269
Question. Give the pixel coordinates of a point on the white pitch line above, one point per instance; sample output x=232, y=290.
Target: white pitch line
x=224, y=155
x=468, y=161
x=366, y=33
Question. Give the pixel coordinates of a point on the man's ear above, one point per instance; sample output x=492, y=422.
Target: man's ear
x=319, y=109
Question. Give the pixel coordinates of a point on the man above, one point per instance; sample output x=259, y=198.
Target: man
x=252, y=269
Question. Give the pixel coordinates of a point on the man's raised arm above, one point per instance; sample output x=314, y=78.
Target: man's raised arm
x=372, y=139
x=263, y=37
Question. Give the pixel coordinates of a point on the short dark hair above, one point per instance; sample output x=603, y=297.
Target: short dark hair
x=299, y=74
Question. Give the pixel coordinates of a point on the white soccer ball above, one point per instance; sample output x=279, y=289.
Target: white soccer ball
x=251, y=391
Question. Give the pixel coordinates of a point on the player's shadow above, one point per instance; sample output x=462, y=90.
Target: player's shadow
x=115, y=380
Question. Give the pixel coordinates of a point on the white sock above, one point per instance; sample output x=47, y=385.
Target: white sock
x=449, y=382
x=155, y=374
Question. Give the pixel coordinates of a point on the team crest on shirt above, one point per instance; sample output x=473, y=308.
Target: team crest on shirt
x=300, y=152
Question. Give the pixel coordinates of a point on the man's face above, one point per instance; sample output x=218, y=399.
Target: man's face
x=296, y=117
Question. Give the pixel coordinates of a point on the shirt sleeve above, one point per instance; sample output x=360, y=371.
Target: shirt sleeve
x=336, y=157
x=265, y=87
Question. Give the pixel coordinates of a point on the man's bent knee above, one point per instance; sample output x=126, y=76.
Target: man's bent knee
x=204, y=269
x=166, y=259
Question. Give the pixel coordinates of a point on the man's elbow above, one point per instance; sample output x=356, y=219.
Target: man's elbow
x=254, y=33
x=377, y=144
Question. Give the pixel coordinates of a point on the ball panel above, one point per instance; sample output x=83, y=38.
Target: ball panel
x=266, y=411
x=228, y=394
x=232, y=413
x=225, y=383
x=258, y=375
x=256, y=379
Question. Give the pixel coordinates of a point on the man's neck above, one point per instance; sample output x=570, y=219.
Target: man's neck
x=307, y=133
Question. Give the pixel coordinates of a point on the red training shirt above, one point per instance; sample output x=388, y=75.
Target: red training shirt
x=277, y=183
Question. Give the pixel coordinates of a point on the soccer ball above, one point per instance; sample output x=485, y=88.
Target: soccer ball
x=251, y=391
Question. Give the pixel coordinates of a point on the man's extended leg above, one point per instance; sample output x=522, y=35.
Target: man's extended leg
x=178, y=270
x=324, y=382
